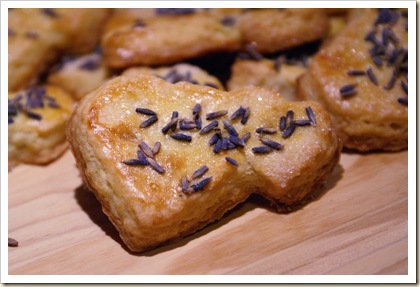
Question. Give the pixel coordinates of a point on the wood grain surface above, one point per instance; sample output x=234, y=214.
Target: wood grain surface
x=357, y=225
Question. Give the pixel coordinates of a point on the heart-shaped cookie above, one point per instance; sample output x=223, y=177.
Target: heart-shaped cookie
x=167, y=159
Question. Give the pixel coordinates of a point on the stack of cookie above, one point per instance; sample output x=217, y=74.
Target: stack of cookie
x=38, y=111
x=183, y=113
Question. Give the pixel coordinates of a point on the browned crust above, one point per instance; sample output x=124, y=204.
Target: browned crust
x=167, y=39
x=268, y=31
x=202, y=33
x=40, y=142
x=144, y=222
x=395, y=140
x=311, y=189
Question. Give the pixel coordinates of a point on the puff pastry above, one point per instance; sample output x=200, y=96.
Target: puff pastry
x=141, y=37
x=179, y=72
x=271, y=30
x=38, y=36
x=37, y=121
x=159, y=179
x=361, y=77
x=79, y=75
x=129, y=40
x=266, y=73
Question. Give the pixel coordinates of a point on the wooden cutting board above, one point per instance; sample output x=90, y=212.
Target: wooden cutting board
x=358, y=225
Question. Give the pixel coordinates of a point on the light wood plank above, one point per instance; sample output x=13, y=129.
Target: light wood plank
x=357, y=226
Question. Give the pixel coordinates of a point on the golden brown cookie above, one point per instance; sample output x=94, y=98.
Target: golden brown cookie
x=82, y=28
x=361, y=78
x=271, y=30
x=167, y=159
x=38, y=36
x=37, y=121
x=165, y=36
x=79, y=75
x=266, y=73
x=32, y=39
x=166, y=39
x=179, y=72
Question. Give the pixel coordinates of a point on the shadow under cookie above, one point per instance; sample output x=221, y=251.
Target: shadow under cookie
x=89, y=204
x=92, y=207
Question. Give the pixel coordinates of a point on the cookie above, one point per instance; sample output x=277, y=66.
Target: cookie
x=141, y=37
x=79, y=75
x=167, y=159
x=30, y=42
x=167, y=39
x=361, y=77
x=37, y=37
x=266, y=73
x=271, y=30
x=37, y=121
x=82, y=28
x=179, y=72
